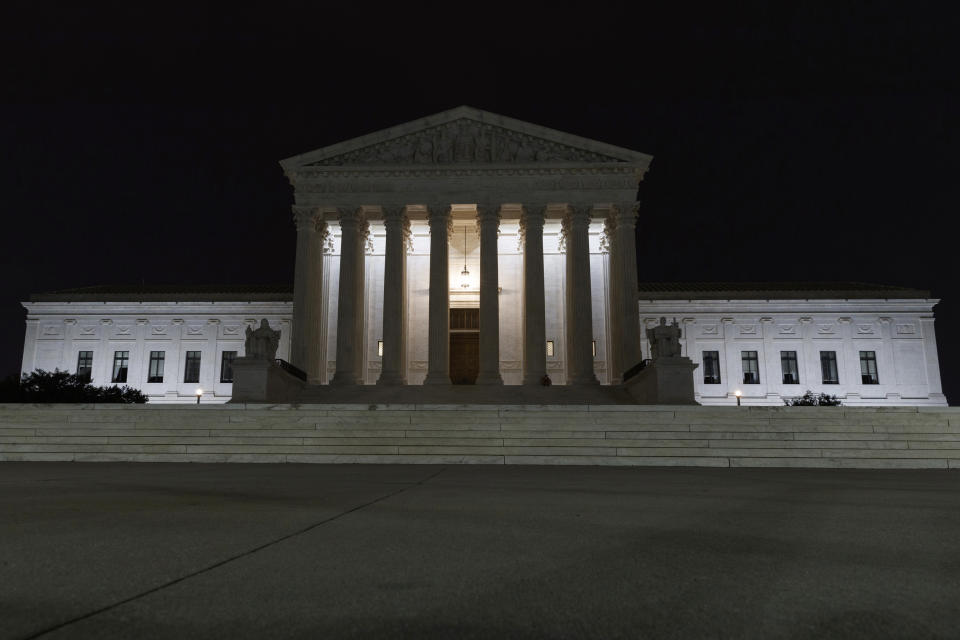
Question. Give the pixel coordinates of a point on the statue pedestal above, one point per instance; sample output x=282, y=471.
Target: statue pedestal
x=259, y=380
x=666, y=380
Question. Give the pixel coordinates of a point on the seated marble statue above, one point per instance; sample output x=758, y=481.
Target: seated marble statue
x=262, y=343
x=665, y=340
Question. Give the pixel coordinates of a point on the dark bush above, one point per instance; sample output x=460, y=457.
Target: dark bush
x=811, y=399
x=62, y=386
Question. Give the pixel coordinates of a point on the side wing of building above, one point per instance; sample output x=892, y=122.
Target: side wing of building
x=867, y=344
x=167, y=343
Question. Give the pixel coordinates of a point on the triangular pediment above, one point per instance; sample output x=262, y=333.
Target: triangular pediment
x=466, y=136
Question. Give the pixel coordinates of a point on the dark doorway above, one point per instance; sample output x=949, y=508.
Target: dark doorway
x=464, y=357
x=464, y=345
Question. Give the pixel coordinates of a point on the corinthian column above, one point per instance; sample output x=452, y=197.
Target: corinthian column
x=626, y=243
x=348, y=303
x=305, y=339
x=534, y=312
x=576, y=223
x=394, y=289
x=615, y=356
x=438, y=345
x=488, y=219
x=359, y=328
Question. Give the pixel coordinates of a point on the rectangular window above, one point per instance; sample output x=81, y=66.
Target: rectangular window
x=828, y=365
x=191, y=370
x=788, y=364
x=226, y=366
x=155, y=373
x=751, y=367
x=549, y=348
x=120, y=361
x=593, y=346
x=380, y=348
x=85, y=365
x=868, y=367
x=711, y=367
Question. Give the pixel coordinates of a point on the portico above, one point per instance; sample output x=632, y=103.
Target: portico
x=531, y=227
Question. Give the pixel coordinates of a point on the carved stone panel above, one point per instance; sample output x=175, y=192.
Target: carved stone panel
x=906, y=329
x=748, y=329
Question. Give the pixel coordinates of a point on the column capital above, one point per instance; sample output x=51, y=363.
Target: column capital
x=438, y=211
x=488, y=214
x=308, y=218
x=350, y=216
x=532, y=217
x=574, y=217
x=531, y=214
x=440, y=216
x=625, y=213
x=395, y=219
x=394, y=214
x=577, y=214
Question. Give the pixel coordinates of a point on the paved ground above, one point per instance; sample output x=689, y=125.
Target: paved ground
x=249, y=551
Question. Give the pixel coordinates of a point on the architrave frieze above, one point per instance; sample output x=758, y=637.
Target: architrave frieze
x=490, y=187
x=512, y=211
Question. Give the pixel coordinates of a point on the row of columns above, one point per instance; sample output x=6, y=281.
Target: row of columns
x=312, y=233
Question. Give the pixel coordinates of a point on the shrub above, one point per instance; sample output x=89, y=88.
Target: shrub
x=811, y=399
x=62, y=386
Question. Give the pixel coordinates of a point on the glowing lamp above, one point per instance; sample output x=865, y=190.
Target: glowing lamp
x=199, y=393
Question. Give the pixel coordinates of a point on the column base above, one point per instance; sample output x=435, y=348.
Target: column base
x=533, y=379
x=489, y=378
x=341, y=379
x=584, y=381
x=437, y=378
x=391, y=379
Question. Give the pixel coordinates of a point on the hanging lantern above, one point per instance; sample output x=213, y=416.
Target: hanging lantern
x=465, y=274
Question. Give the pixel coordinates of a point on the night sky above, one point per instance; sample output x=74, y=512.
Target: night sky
x=790, y=143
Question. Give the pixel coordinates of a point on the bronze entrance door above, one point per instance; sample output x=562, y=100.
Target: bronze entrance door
x=464, y=345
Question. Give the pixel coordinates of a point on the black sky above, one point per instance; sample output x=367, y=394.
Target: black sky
x=790, y=143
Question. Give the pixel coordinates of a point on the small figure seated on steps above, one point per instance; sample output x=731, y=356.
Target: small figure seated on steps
x=262, y=343
x=546, y=381
x=665, y=340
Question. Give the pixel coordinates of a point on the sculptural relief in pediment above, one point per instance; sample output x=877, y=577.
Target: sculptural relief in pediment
x=464, y=141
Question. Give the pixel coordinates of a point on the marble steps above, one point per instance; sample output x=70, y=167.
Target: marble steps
x=485, y=434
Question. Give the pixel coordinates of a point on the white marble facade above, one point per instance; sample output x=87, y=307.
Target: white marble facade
x=544, y=223
x=60, y=326
x=899, y=331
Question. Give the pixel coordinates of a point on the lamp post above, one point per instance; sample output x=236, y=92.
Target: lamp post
x=738, y=393
x=199, y=393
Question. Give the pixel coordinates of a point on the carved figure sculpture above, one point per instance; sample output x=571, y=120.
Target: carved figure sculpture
x=262, y=343
x=424, y=153
x=665, y=340
x=483, y=148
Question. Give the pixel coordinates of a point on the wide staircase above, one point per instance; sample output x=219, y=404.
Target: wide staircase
x=486, y=434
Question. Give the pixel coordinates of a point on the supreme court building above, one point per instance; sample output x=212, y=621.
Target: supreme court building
x=471, y=248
